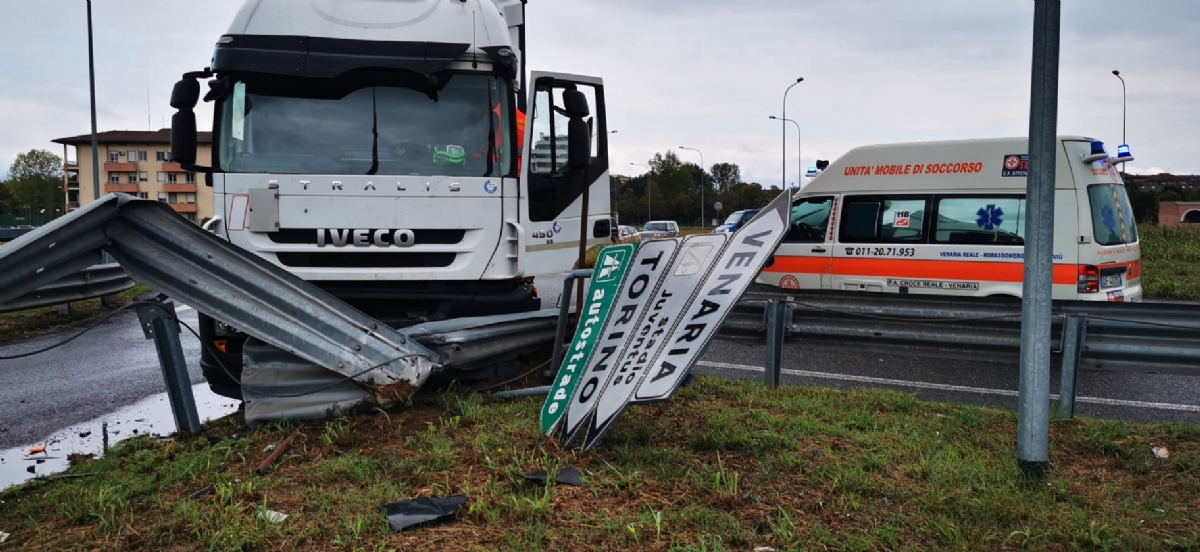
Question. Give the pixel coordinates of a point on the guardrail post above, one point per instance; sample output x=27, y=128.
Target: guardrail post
x=564, y=311
x=160, y=324
x=1074, y=335
x=776, y=320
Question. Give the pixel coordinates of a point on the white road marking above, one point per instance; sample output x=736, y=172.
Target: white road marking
x=181, y=308
x=945, y=387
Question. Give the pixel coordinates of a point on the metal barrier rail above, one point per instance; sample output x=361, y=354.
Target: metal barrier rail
x=1136, y=337
x=92, y=282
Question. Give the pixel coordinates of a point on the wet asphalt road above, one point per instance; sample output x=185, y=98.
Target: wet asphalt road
x=114, y=365
x=109, y=367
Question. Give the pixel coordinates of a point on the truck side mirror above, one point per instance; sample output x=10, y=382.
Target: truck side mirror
x=184, y=97
x=579, y=136
x=183, y=138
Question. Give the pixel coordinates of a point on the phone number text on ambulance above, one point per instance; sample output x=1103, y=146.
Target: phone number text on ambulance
x=882, y=251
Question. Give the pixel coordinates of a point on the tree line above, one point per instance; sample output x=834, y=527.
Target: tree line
x=1145, y=202
x=671, y=191
x=33, y=191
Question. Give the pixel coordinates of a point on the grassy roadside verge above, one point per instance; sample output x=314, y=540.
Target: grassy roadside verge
x=34, y=322
x=1170, y=262
x=724, y=466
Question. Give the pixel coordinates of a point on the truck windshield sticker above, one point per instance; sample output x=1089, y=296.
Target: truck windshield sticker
x=238, y=132
x=990, y=217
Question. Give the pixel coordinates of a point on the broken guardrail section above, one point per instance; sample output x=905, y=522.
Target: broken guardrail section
x=157, y=247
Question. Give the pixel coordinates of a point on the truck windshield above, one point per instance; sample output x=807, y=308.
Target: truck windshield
x=657, y=227
x=1113, y=222
x=306, y=127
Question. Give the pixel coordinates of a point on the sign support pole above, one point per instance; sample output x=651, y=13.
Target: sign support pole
x=1033, y=409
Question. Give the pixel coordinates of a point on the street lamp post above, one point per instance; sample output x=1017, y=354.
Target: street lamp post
x=703, y=182
x=92, y=85
x=783, y=175
x=800, y=170
x=647, y=189
x=1118, y=75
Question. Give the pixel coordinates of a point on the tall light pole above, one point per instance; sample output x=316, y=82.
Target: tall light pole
x=800, y=169
x=703, y=183
x=783, y=175
x=92, y=85
x=647, y=188
x=1118, y=75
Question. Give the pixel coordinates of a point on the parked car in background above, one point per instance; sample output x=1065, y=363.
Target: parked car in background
x=736, y=220
x=626, y=233
x=659, y=229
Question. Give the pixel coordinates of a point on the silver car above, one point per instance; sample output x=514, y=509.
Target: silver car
x=659, y=229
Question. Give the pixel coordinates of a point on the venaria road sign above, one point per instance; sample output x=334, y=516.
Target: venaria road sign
x=612, y=265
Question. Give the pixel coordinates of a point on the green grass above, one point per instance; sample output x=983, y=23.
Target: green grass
x=723, y=466
x=35, y=322
x=1170, y=262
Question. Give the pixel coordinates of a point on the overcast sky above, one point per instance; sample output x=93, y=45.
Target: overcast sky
x=699, y=73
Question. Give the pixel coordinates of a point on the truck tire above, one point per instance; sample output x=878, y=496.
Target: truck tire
x=226, y=380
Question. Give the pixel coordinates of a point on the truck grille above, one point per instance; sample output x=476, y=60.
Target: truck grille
x=349, y=259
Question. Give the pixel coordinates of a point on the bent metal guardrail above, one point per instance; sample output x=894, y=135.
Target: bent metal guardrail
x=89, y=283
x=163, y=250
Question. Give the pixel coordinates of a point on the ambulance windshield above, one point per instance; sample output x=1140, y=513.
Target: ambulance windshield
x=1113, y=222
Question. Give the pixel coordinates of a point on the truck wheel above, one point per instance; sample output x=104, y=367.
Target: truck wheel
x=223, y=381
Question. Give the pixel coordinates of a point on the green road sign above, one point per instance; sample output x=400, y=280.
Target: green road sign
x=611, y=267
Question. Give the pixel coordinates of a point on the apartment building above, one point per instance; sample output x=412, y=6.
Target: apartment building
x=136, y=163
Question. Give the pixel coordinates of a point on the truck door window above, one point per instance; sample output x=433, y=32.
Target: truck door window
x=552, y=186
x=809, y=220
x=884, y=220
x=980, y=220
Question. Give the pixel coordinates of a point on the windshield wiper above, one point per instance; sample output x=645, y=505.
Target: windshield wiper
x=375, y=135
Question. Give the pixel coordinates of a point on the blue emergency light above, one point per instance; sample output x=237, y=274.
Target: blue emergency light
x=1123, y=154
x=812, y=171
x=1098, y=153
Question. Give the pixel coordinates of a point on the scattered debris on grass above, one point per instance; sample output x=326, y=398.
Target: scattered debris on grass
x=566, y=476
x=410, y=513
x=270, y=515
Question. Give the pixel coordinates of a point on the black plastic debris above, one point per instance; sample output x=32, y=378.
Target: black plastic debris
x=84, y=434
x=566, y=476
x=202, y=492
x=405, y=514
x=31, y=469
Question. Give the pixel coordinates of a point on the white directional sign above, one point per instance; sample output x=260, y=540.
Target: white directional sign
x=737, y=268
x=706, y=278
x=696, y=257
x=645, y=274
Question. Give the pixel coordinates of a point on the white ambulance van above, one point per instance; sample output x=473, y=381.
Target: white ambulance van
x=948, y=218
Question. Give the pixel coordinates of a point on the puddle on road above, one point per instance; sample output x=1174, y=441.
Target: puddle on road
x=151, y=415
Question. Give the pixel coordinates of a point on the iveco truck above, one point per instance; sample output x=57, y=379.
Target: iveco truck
x=378, y=150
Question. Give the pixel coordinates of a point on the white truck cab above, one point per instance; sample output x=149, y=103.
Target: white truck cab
x=375, y=149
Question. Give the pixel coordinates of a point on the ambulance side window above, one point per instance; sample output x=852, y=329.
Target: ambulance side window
x=995, y=220
x=810, y=220
x=877, y=219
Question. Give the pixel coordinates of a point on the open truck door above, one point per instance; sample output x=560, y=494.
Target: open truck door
x=565, y=154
